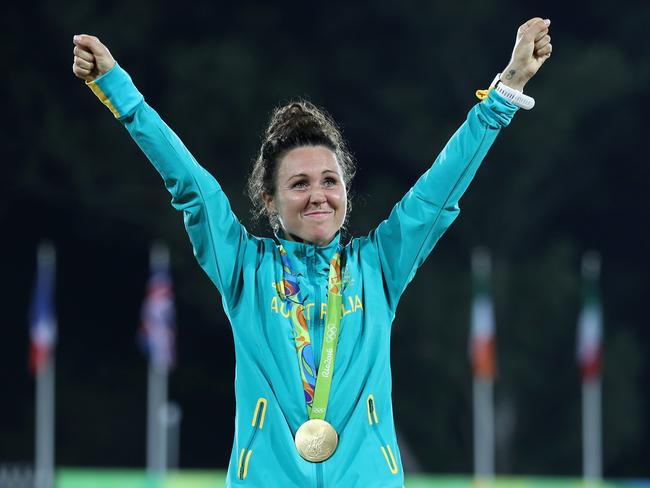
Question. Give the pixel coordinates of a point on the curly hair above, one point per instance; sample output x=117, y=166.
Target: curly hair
x=298, y=123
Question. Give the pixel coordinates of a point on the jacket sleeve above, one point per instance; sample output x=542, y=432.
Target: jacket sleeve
x=405, y=239
x=217, y=237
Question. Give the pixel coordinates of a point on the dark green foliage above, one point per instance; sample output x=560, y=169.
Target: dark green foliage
x=399, y=77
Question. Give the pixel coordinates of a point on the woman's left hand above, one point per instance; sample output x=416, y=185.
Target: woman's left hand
x=532, y=48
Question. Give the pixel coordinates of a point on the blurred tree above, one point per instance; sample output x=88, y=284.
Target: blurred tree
x=569, y=176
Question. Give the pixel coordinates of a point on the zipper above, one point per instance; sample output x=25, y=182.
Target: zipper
x=316, y=336
x=384, y=446
x=315, y=331
x=257, y=424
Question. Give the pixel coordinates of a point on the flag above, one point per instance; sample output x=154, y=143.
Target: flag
x=42, y=320
x=590, y=328
x=482, y=343
x=157, y=331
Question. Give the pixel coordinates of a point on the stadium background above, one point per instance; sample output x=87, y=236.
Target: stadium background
x=569, y=176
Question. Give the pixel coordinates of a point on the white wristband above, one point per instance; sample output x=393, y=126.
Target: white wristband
x=512, y=95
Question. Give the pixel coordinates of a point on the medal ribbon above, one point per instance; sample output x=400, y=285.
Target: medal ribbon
x=316, y=384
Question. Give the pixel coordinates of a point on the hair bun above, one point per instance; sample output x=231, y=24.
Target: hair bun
x=295, y=124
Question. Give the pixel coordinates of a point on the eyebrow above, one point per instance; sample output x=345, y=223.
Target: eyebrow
x=297, y=175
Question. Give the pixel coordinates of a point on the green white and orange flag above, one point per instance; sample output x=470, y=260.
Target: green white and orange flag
x=482, y=335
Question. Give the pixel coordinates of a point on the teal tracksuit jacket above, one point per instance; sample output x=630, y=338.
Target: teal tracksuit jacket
x=246, y=268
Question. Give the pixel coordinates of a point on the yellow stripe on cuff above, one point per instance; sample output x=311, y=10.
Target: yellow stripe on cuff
x=102, y=96
x=483, y=94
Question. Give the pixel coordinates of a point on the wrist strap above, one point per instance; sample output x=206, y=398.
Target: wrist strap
x=514, y=96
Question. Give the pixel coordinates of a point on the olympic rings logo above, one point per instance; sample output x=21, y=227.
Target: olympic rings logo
x=332, y=332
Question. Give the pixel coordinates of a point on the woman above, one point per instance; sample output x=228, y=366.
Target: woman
x=311, y=317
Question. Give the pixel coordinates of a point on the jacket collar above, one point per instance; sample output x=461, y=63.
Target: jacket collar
x=307, y=248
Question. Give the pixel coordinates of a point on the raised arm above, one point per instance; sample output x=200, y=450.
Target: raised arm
x=532, y=48
x=405, y=239
x=219, y=240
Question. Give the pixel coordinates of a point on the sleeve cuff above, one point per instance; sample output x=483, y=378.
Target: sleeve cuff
x=116, y=90
x=497, y=110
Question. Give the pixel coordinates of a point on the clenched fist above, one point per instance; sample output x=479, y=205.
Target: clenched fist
x=91, y=58
x=532, y=48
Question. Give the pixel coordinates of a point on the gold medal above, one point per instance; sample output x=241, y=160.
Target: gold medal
x=316, y=440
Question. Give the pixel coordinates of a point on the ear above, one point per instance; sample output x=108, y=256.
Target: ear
x=268, y=202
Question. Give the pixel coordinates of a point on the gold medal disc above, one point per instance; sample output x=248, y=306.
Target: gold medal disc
x=316, y=440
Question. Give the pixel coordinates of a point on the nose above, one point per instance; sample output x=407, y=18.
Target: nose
x=317, y=197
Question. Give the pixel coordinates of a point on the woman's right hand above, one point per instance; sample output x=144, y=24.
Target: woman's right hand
x=91, y=58
x=532, y=47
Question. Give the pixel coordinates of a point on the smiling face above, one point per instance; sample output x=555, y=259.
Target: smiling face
x=310, y=195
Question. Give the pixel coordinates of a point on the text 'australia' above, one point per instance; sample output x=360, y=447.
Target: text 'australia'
x=351, y=305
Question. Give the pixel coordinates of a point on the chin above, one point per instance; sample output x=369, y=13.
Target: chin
x=315, y=234
x=325, y=238
x=320, y=237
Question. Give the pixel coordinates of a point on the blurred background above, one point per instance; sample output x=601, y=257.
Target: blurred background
x=399, y=77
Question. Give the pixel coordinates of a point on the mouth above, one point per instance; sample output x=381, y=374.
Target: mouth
x=319, y=215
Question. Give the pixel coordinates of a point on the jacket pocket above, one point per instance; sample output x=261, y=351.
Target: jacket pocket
x=373, y=421
x=246, y=453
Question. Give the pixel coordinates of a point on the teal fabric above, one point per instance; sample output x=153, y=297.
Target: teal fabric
x=245, y=269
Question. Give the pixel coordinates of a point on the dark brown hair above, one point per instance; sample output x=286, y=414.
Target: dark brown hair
x=298, y=123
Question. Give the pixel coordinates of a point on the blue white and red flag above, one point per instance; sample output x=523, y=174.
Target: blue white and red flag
x=589, y=342
x=157, y=331
x=42, y=318
x=590, y=321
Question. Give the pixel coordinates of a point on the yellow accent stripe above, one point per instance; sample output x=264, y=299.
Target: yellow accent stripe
x=393, y=459
x=392, y=466
x=102, y=96
x=483, y=94
x=371, y=398
x=263, y=402
x=248, y=456
x=241, y=456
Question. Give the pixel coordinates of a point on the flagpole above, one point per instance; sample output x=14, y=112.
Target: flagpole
x=161, y=417
x=45, y=426
x=173, y=419
x=590, y=354
x=483, y=429
x=44, y=435
x=157, y=387
x=591, y=431
x=482, y=356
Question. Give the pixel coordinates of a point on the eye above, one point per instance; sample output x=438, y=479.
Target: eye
x=299, y=184
x=330, y=181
